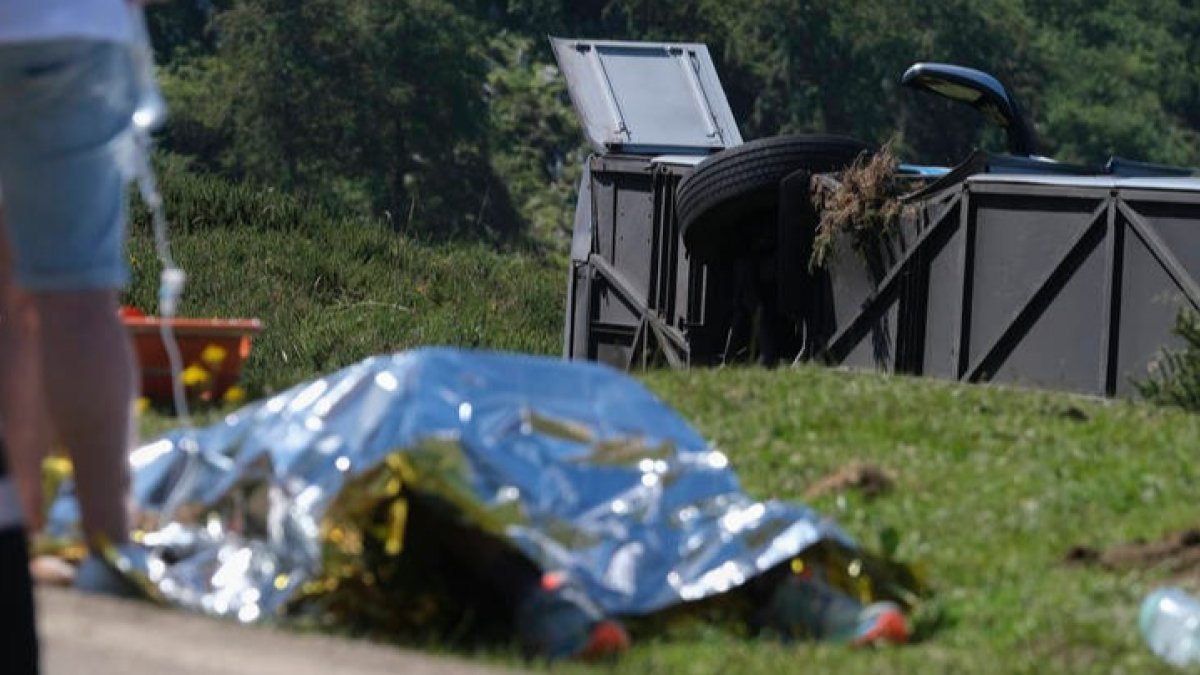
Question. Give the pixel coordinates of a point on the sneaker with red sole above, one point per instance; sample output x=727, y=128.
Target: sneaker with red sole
x=557, y=620
x=805, y=606
x=880, y=623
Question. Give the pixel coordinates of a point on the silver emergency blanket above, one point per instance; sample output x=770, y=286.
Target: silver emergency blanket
x=574, y=464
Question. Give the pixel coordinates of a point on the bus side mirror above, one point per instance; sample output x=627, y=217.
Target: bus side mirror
x=980, y=91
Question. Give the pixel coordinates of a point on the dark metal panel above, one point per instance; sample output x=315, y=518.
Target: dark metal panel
x=938, y=207
x=912, y=298
x=621, y=287
x=1061, y=349
x=852, y=284
x=666, y=279
x=1134, y=196
x=896, y=282
x=962, y=330
x=569, y=330
x=604, y=200
x=610, y=307
x=683, y=284
x=944, y=300
x=877, y=348
x=611, y=345
x=584, y=229
x=1110, y=318
x=1150, y=301
x=624, y=164
x=709, y=312
x=1177, y=226
x=1021, y=191
x=1018, y=241
x=633, y=232
x=575, y=323
x=1047, y=286
x=582, y=318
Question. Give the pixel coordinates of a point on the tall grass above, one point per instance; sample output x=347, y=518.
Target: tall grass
x=331, y=290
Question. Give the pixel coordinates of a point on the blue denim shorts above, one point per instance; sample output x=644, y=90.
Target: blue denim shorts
x=66, y=150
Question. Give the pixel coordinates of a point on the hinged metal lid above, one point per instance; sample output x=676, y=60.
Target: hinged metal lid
x=647, y=97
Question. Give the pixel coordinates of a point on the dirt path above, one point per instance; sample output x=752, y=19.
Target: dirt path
x=1177, y=554
x=100, y=636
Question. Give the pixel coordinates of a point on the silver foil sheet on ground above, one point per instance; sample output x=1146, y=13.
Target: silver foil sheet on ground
x=577, y=466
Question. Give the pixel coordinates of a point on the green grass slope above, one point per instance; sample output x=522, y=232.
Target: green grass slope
x=332, y=290
x=993, y=487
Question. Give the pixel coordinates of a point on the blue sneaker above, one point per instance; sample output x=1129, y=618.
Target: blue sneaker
x=804, y=605
x=557, y=620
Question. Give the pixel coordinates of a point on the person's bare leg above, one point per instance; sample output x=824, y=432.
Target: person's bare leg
x=27, y=432
x=88, y=371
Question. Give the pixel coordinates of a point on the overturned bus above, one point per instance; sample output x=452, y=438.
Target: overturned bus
x=691, y=247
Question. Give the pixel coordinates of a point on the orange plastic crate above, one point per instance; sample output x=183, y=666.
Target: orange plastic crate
x=232, y=336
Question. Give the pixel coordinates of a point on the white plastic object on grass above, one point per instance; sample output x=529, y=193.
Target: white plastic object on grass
x=1170, y=622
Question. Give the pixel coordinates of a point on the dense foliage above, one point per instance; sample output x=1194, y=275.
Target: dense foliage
x=448, y=118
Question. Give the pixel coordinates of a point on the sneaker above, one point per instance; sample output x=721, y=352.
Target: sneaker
x=557, y=620
x=121, y=572
x=804, y=605
x=880, y=623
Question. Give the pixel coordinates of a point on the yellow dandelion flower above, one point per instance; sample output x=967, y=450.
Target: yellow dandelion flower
x=234, y=394
x=195, y=375
x=141, y=405
x=213, y=356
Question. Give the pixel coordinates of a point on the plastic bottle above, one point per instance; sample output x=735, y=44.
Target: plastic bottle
x=1170, y=622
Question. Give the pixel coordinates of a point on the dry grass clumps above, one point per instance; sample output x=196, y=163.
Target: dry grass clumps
x=862, y=205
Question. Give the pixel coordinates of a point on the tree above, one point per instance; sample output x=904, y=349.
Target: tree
x=436, y=111
x=374, y=104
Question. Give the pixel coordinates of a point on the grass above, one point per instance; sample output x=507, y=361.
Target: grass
x=993, y=485
x=331, y=290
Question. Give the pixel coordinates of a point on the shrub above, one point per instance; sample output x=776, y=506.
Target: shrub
x=1175, y=375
